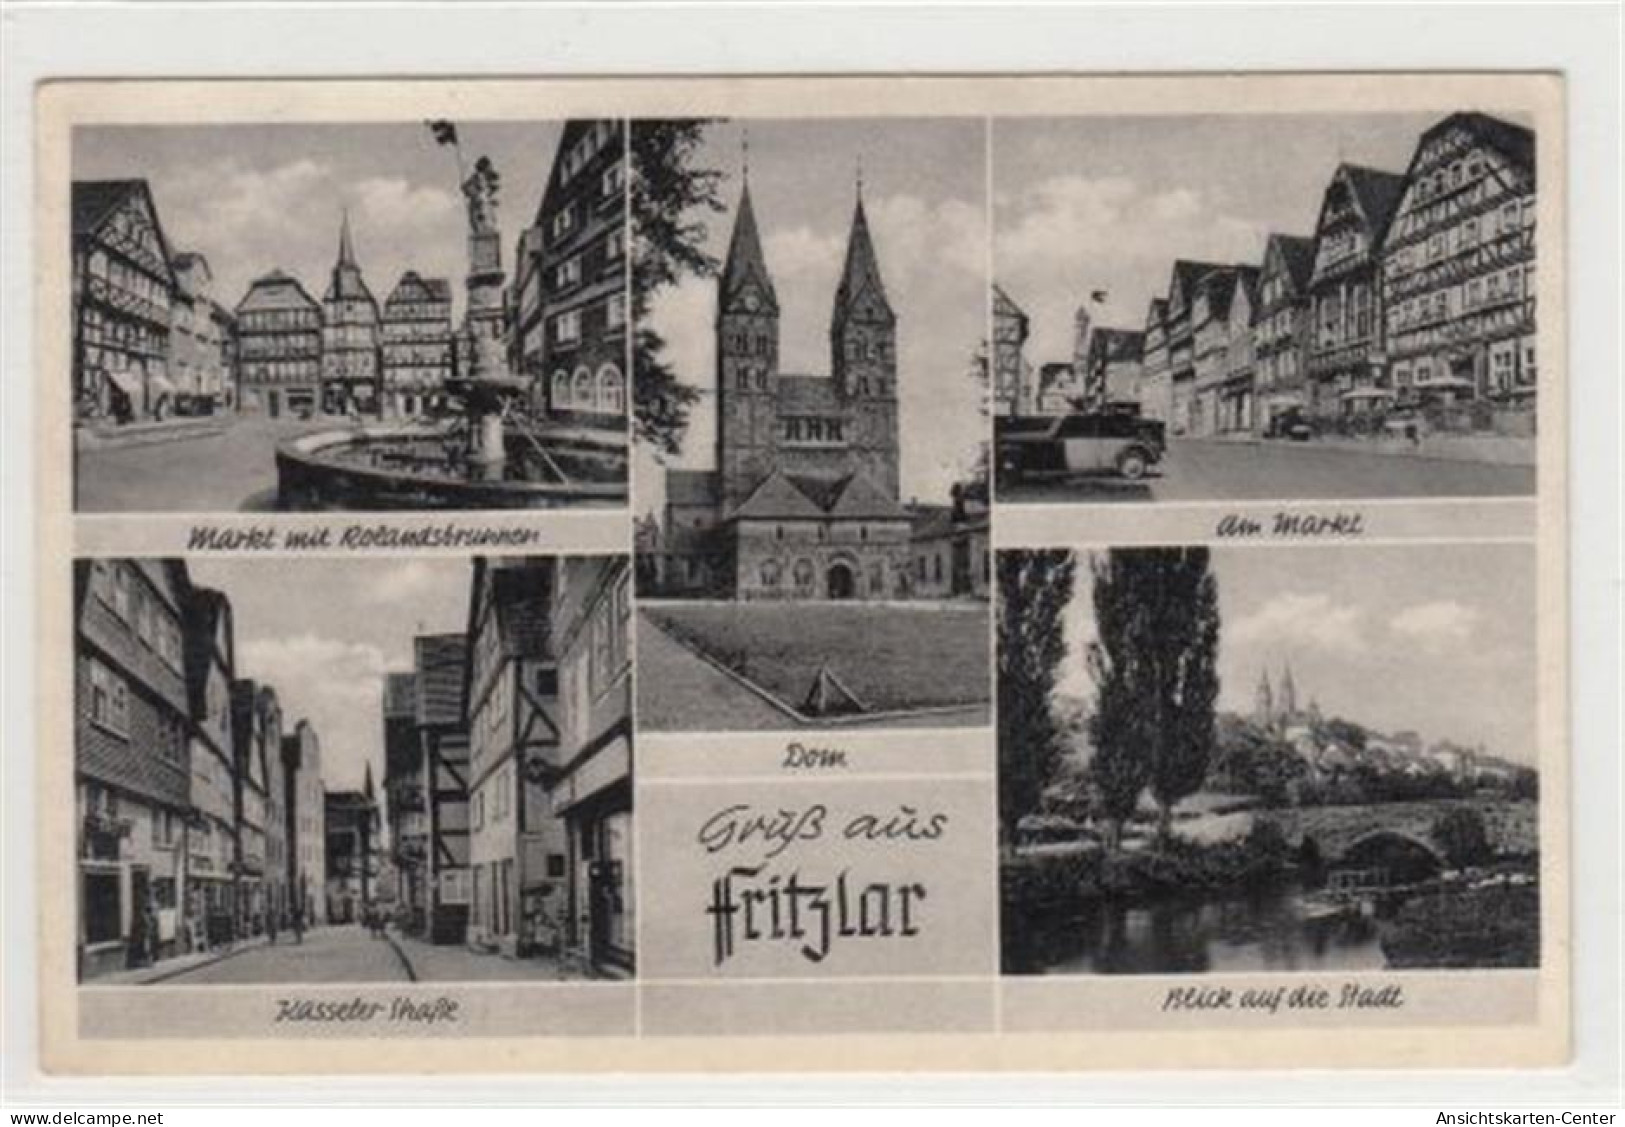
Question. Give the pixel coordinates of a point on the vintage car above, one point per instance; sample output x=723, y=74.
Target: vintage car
x=1080, y=443
x=1290, y=424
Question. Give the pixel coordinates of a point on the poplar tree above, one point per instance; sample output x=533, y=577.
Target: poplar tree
x=1155, y=666
x=1035, y=588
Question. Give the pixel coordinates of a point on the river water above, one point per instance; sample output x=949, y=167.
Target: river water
x=1255, y=930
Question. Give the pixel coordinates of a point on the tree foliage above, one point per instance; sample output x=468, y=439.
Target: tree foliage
x=1035, y=588
x=670, y=199
x=1463, y=837
x=1155, y=665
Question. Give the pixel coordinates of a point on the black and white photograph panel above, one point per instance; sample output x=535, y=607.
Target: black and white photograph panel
x=1177, y=319
x=810, y=484
x=344, y=771
x=1268, y=759
x=423, y=315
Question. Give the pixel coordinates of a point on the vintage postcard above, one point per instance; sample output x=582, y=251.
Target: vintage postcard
x=870, y=573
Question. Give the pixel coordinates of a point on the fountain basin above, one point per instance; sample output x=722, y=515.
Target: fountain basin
x=387, y=467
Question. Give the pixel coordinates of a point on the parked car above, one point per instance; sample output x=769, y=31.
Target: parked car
x=1079, y=443
x=1405, y=423
x=1290, y=424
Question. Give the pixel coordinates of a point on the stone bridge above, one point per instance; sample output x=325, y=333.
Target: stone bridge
x=1511, y=826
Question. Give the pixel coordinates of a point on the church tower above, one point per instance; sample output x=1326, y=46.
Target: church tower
x=747, y=361
x=1264, y=702
x=1289, y=694
x=349, y=335
x=863, y=356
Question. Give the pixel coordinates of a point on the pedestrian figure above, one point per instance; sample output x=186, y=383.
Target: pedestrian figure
x=270, y=926
x=299, y=927
x=150, y=920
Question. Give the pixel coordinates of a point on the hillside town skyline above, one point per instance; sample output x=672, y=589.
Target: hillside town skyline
x=1366, y=639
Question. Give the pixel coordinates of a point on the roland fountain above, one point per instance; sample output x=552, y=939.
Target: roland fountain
x=492, y=452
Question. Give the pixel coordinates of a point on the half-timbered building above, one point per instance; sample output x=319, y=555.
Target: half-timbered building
x=1458, y=266
x=443, y=745
x=248, y=869
x=1347, y=370
x=349, y=336
x=1280, y=327
x=1014, y=392
x=211, y=906
x=279, y=348
x=570, y=319
x=417, y=345
x=406, y=808
x=517, y=846
x=304, y=814
x=350, y=825
x=589, y=773
x=123, y=290
x=132, y=776
x=1156, y=388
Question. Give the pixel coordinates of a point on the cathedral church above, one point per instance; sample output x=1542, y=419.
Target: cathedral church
x=804, y=500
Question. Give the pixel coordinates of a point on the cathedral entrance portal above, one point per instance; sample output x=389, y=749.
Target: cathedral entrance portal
x=842, y=581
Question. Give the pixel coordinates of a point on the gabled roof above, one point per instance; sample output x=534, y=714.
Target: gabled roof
x=95, y=200
x=777, y=497
x=927, y=522
x=1247, y=283
x=400, y=696
x=439, y=668
x=861, y=499
x=293, y=747
x=1297, y=254
x=1055, y=372
x=1376, y=193
x=1512, y=141
x=1156, y=311
x=860, y=276
x=746, y=265
x=1184, y=276
x=1004, y=305
x=523, y=596
x=1219, y=286
x=207, y=612
x=414, y=287
x=276, y=290
x=852, y=496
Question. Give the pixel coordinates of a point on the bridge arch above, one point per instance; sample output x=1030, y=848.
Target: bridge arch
x=1405, y=857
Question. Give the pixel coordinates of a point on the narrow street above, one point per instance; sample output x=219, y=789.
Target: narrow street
x=1209, y=470
x=328, y=954
x=350, y=954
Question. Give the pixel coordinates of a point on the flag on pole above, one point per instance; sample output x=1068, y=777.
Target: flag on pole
x=1097, y=296
x=444, y=132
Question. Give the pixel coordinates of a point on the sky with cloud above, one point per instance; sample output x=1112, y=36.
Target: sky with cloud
x=323, y=632
x=925, y=191
x=1438, y=638
x=1108, y=203
x=253, y=198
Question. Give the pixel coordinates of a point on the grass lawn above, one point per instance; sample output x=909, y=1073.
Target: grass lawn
x=891, y=656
